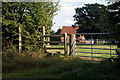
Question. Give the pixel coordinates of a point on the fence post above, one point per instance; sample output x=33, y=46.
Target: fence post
x=43, y=39
x=75, y=44
x=72, y=44
x=20, y=39
x=110, y=45
x=65, y=44
x=48, y=40
x=92, y=47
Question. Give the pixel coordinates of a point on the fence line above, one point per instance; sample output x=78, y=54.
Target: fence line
x=72, y=48
x=49, y=36
x=92, y=33
x=73, y=43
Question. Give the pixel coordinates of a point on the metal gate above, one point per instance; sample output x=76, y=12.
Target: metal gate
x=93, y=46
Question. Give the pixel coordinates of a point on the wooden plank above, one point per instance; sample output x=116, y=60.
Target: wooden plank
x=54, y=35
x=53, y=42
x=53, y=48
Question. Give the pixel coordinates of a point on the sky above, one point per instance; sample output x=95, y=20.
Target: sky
x=67, y=10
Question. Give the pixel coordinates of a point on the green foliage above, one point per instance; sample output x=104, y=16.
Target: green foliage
x=56, y=38
x=58, y=31
x=92, y=18
x=31, y=17
x=58, y=67
x=0, y=13
x=114, y=18
x=13, y=61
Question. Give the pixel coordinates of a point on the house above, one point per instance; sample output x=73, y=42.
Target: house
x=71, y=30
x=53, y=32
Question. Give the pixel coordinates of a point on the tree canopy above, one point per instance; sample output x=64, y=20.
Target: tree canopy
x=56, y=33
x=91, y=18
x=31, y=17
x=114, y=18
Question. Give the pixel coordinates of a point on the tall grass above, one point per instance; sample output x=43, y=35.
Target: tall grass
x=69, y=67
x=36, y=64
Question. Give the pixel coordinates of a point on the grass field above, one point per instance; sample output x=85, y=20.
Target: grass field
x=79, y=50
x=37, y=65
x=57, y=67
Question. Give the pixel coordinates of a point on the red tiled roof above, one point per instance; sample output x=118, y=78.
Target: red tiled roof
x=68, y=30
x=53, y=31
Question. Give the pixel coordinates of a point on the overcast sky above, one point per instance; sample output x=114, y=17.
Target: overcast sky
x=65, y=15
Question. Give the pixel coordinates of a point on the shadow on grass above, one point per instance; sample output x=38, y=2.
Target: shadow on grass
x=36, y=65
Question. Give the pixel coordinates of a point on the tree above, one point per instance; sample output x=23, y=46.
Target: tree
x=56, y=38
x=30, y=17
x=58, y=31
x=92, y=18
x=114, y=18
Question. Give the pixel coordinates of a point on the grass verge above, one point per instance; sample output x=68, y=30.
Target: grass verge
x=21, y=66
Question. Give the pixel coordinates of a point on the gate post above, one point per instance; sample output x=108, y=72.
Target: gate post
x=43, y=39
x=65, y=44
x=72, y=44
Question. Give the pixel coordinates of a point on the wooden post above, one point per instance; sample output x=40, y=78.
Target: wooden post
x=48, y=40
x=92, y=48
x=43, y=33
x=20, y=40
x=65, y=44
x=72, y=44
x=75, y=43
x=43, y=39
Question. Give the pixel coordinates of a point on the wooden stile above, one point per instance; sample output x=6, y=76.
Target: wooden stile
x=65, y=44
x=44, y=42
